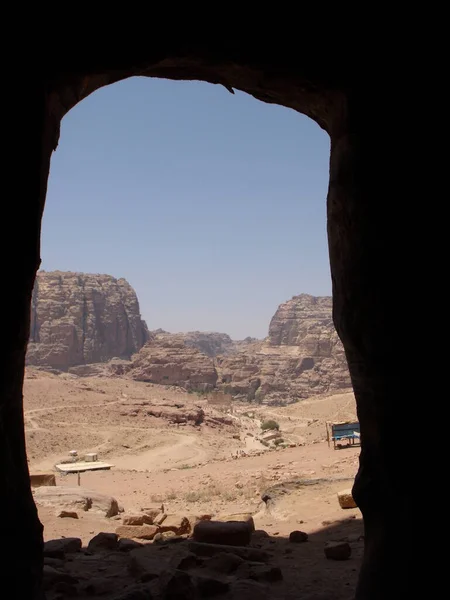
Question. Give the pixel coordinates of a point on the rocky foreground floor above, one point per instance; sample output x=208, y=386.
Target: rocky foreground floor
x=179, y=567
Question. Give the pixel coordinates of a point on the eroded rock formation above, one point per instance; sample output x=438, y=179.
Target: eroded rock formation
x=79, y=318
x=168, y=360
x=302, y=356
x=210, y=343
x=305, y=322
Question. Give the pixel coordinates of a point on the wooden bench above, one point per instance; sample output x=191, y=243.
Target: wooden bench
x=345, y=431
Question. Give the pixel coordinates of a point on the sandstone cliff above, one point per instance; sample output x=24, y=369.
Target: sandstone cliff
x=302, y=356
x=168, y=360
x=305, y=322
x=79, y=318
x=210, y=343
x=79, y=322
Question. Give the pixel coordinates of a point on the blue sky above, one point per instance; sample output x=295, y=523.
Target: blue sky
x=212, y=205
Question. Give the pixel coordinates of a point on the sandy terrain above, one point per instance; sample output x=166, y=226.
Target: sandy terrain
x=192, y=469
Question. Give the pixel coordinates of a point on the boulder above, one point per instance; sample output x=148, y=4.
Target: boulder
x=239, y=517
x=243, y=589
x=125, y=545
x=59, y=547
x=152, y=514
x=297, y=537
x=142, y=519
x=175, y=523
x=208, y=586
x=176, y=585
x=260, y=534
x=52, y=576
x=338, y=550
x=164, y=536
x=186, y=562
x=194, y=519
x=234, y=533
x=67, y=514
x=40, y=479
x=159, y=518
x=345, y=499
x=100, y=586
x=208, y=550
x=153, y=509
x=56, y=563
x=145, y=563
x=103, y=542
x=259, y=572
x=224, y=562
x=140, y=532
x=78, y=498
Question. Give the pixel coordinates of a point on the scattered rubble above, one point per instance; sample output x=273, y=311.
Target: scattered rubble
x=67, y=498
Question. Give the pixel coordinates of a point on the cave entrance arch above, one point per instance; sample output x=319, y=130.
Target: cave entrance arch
x=361, y=246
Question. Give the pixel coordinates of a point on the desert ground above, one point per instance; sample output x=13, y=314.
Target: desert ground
x=218, y=464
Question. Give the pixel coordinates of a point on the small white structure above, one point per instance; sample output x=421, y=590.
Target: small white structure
x=91, y=457
x=82, y=466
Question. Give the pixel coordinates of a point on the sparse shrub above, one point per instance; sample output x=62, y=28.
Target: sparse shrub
x=259, y=396
x=172, y=495
x=229, y=495
x=270, y=424
x=193, y=496
x=156, y=499
x=213, y=490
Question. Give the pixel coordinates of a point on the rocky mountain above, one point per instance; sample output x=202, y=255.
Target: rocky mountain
x=80, y=322
x=167, y=359
x=79, y=318
x=302, y=356
x=305, y=322
x=210, y=343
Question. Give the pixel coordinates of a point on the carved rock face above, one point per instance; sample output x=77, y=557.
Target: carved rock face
x=78, y=318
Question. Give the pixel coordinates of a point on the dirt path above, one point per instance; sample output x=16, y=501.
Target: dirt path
x=66, y=406
x=185, y=451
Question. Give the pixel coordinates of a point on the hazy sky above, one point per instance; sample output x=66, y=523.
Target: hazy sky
x=211, y=205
